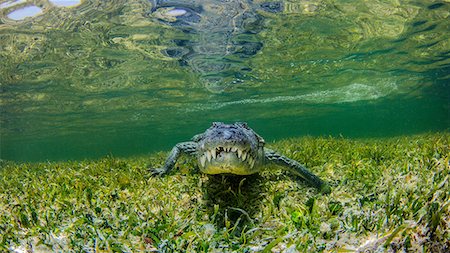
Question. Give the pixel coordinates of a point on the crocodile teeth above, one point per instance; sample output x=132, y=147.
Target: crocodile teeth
x=239, y=153
x=213, y=153
x=244, y=155
x=233, y=149
x=203, y=160
x=252, y=163
x=208, y=155
x=250, y=160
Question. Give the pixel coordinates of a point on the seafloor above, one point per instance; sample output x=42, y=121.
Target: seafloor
x=388, y=195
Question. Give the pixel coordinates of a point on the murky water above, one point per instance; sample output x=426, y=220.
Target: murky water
x=84, y=80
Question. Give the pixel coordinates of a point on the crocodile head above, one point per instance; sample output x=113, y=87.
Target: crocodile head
x=229, y=148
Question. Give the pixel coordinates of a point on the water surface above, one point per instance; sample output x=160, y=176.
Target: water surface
x=113, y=77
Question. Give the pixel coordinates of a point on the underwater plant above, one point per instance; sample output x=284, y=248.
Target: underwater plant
x=388, y=194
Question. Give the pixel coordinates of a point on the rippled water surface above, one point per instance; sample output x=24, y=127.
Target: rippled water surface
x=91, y=78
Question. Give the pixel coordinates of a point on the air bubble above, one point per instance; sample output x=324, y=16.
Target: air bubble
x=65, y=3
x=25, y=12
x=176, y=12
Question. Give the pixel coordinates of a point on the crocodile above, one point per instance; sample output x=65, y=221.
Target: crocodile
x=235, y=149
x=218, y=36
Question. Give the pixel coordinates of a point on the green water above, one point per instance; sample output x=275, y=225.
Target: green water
x=89, y=81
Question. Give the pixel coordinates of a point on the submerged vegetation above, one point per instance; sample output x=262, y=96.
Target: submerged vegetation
x=388, y=194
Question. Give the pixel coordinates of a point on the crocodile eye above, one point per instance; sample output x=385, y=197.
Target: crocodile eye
x=242, y=124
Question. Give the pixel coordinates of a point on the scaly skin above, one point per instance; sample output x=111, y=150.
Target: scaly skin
x=235, y=149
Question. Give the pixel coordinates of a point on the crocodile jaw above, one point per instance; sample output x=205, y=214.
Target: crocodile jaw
x=229, y=148
x=230, y=160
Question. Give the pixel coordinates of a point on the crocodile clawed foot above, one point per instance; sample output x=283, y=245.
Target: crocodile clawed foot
x=325, y=189
x=155, y=172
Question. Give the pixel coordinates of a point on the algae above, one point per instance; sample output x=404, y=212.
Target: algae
x=388, y=194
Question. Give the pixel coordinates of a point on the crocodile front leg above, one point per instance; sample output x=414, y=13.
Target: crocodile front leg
x=298, y=169
x=188, y=148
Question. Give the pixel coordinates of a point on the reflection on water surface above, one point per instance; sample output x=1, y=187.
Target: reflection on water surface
x=130, y=77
